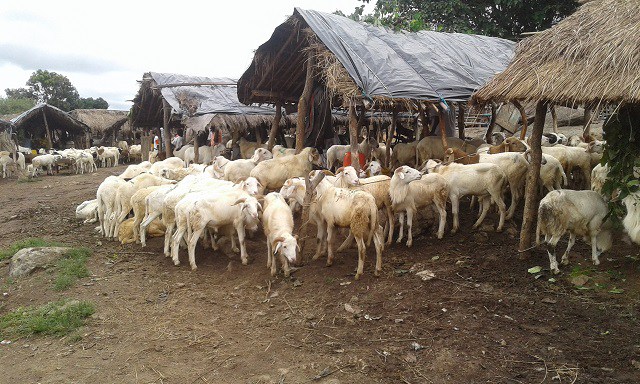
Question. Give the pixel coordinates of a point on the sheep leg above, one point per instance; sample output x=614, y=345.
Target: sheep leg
x=390, y=223
x=243, y=248
x=378, y=239
x=320, y=241
x=409, y=227
x=440, y=206
x=167, y=239
x=346, y=243
x=485, y=203
x=515, y=196
x=143, y=227
x=329, y=245
x=594, y=250
x=565, y=256
x=362, y=252
x=473, y=203
x=193, y=241
x=101, y=218
x=455, y=206
x=553, y=263
x=269, y=257
x=401, y=233
x=175, y=248
x=285, y=266
x=234, y=245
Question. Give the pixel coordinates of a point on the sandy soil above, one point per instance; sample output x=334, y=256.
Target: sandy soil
x=483, y=318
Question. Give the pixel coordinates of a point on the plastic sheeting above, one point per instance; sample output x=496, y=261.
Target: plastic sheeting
x=216, y=95
x=426, y=65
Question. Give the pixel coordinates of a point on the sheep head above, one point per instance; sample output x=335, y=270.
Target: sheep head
x=287, y=247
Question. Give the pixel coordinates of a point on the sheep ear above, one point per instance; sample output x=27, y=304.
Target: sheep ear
x=259, y=206
x=240, y=201
x=401, y=175
x=275, y=250
x=339, y=170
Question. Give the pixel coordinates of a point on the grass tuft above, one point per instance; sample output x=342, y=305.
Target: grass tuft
x=71, y=267
x=29, y=242
x=57, y=318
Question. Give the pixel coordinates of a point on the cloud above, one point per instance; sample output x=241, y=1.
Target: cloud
x=32, y=58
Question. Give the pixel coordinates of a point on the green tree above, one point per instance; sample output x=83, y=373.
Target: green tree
x=49, y=87
x=502, y=18
x=10, y=105
x=91, y=103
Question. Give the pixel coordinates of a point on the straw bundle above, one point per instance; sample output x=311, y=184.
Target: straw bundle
x=591, y=57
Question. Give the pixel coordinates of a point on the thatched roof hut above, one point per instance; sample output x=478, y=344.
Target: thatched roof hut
x=47, y=126
x=589, y=58
x=105, y=124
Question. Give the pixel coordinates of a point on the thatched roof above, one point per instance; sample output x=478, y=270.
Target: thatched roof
x=5, y=125
x=591, y=57
x=63, y=127
x=361, y=60
x=101, y=120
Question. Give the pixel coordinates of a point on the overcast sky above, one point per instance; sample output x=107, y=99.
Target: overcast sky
x=104, y=47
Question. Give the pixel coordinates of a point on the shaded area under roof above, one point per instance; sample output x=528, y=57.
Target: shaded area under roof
x=381, y=63
x=591, y=57
x=31, y=125
x=5, y=125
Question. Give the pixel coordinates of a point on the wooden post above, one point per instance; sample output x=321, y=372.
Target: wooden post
x=443, y=125
x=461, y=111
x=196, y=147
x=390, y=134
x=554, y=118
x=587, y=123
x=46, y=127
x=492, y=123
x=275, y=126
x=303, y=103
x=353, y=136
x=523, y=117
x=166, y=109
x=533, y=180
x=422, y=115
x=146, y=141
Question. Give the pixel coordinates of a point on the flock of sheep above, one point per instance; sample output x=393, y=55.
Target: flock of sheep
x=189, y=203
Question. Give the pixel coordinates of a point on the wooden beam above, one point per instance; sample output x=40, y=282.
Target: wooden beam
x=461, y=112
x=166, y=111
x=353, y=136
x=304, y=102
x=523, y=117
x=392, y=131
x=533, y=180
x=275, y=126
x=492, y=123
x=269, y=94
x=173, y=85
x=46, y=127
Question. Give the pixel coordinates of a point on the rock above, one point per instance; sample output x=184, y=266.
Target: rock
x=352, y=309
x=27, y=260
x=426, y=275
x=579, y=280
x=410, y=358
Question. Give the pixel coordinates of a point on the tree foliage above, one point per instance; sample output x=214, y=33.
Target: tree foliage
x=502, y=18
x=54, y=89
x=10, y=106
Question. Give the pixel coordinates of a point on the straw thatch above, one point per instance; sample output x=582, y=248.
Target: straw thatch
x=591, y=57
x=101, y=120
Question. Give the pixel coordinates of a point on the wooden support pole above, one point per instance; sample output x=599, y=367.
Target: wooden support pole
x=275, y=126
x=166, y=111
x=587, y=123
x=46, y=127
x=303, y=103
x=461, y=111
x=533, y=180
x=390, y=134
x=523, y=117
x=196, y=147
x=422, y=115
x=492, y=123
x=353, y=135
x=554, y=118
x=443, y=126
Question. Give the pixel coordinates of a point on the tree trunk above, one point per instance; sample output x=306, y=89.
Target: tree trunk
x=523, y=117
x=353, y=136
x=275, y=126
x=461, y=111
x=46, y=127
x=303, y=103
x=533, y=180
x=443, y=127
x=492, y=123
x=554, y=118
x=392, y=131
x=166, y=109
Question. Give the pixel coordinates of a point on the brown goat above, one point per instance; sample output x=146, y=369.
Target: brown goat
x=456, y=155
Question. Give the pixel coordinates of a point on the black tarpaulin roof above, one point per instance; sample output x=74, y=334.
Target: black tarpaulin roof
x=422, y=65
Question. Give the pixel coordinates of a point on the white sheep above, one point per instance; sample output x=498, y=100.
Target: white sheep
x=168, y=163
x=570, y=158
x=274, y=172
x=214, y=210
x=240, y=169
x=206, y=154
x=631, y=221
x=581, y=213
x=552, y=175
x=411, y=190
x=336, y=153
x=8, y=166
x=42, y=161
x=248, y=148
x=279, y=150
x=484, y=180
x=138, y=204
x=599, y=177
x=108, y=156
x=277, y=223
x=106, y=196
x=515, y=166
x=135, y=152
x=88, y=210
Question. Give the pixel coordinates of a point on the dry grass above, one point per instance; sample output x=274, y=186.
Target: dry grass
x=591, y=57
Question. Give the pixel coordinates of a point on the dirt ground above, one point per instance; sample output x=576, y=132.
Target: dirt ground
x=482, y=319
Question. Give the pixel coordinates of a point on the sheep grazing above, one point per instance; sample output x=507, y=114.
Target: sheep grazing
x=456, y=155
x=88, y=210
x=486, y=181
x=356, y=210
x=336, y=153
x=274, y=172
x=126, y=231
x=277, y=222
x=581, y=213
x=631, y=221
x=240, y=169
x=215, y=210
x=411, y=190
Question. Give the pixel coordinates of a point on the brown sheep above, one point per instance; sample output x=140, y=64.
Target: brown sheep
x=459, y=156
x=125, y=232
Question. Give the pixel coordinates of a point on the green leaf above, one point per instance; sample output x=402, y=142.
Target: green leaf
x=534, y=270
x=616, y=290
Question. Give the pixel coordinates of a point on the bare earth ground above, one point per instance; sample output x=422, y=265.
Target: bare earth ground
x=483, y=319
